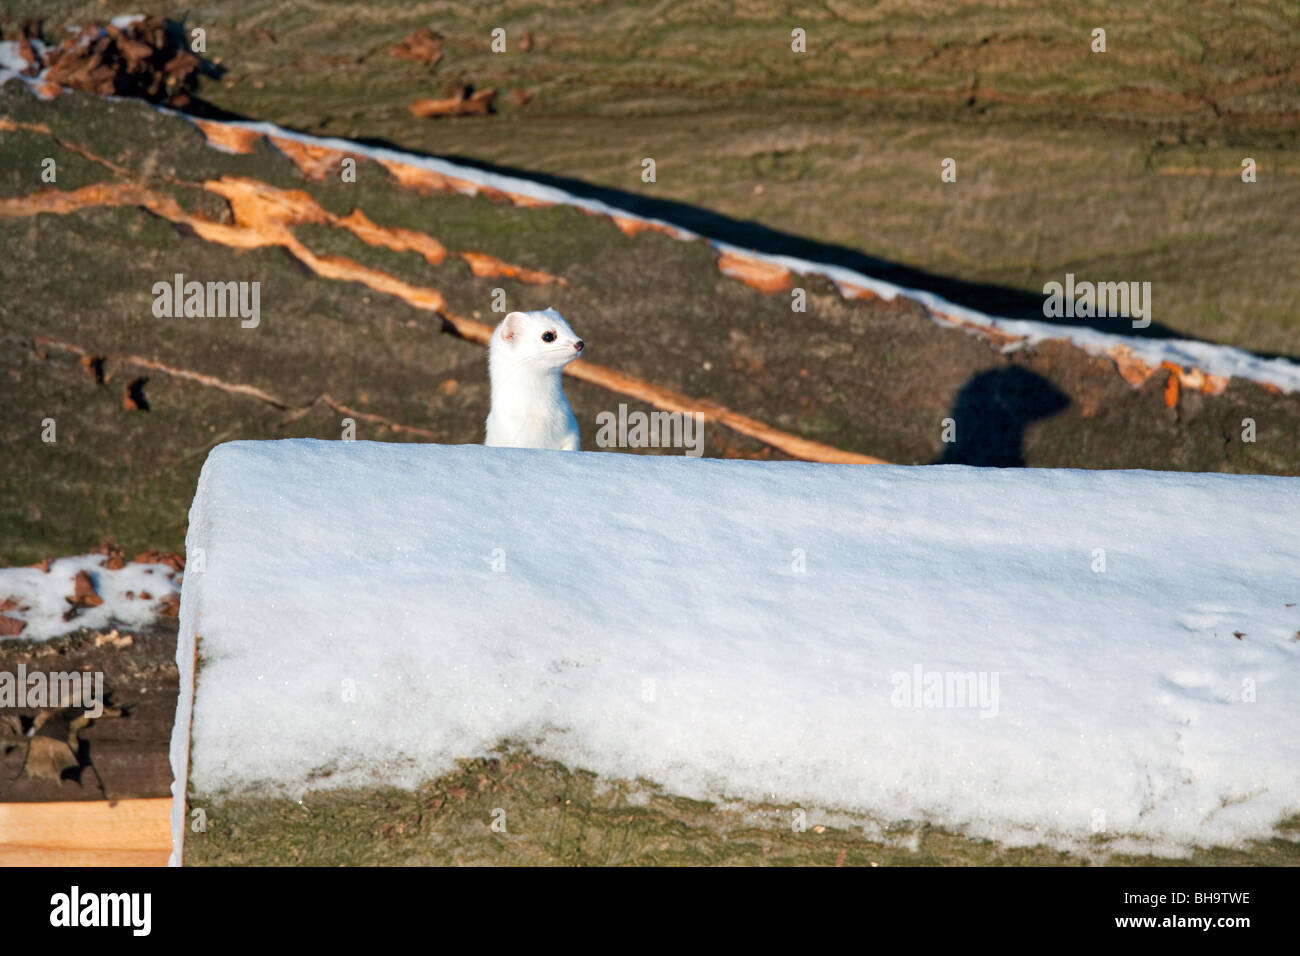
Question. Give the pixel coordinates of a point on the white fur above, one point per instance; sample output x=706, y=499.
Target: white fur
x=529, y=409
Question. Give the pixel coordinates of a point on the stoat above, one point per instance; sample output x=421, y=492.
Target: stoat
x=527, y=354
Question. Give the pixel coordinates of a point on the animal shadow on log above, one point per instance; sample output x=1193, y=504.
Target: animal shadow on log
x=991, y=413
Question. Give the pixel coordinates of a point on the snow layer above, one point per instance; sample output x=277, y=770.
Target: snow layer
x=369, y=612
x=42, y=596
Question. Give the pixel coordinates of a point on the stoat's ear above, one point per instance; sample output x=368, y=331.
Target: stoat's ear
x=511, y=325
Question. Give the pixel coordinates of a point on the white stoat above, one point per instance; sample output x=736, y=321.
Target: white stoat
x=527, y=354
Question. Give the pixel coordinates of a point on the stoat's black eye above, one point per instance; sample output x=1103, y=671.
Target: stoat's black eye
x=548, y=336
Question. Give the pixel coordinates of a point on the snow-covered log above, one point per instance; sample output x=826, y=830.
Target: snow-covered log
x=1026, y=655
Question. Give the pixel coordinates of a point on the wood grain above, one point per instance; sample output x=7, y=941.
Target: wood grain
x=86, y=833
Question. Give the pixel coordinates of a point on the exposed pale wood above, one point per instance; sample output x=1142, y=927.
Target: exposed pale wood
x=86, y=833
x=42, y=856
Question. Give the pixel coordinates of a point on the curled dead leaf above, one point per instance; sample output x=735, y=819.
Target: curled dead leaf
x=83, y=591
x=47, y=758
x=169, y=558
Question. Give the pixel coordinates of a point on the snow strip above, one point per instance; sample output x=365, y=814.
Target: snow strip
x=41, y=596
x=1025, y=655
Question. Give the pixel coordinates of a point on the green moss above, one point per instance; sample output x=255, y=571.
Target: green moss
x=24, y=168
x=548, y=814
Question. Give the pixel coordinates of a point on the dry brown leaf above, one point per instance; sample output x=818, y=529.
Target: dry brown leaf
x=47, y=758
x=48, y=755
x=170, y=606
x=115, y=557
x=83, y=591
x=169, y=558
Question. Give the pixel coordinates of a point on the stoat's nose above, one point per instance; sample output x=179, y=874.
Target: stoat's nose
x=578, y=345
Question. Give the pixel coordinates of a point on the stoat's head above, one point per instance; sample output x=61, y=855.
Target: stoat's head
x=541, y=339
